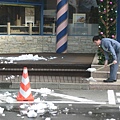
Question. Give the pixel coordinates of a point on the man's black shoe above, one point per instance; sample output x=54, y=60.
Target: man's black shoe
x=108, y=80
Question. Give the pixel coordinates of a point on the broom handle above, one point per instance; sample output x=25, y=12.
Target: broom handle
x=104, y=66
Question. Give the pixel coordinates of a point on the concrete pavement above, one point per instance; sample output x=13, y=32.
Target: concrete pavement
x=105, y=97
x=71, y=104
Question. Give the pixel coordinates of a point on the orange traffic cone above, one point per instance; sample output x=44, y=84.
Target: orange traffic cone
x=25, y=90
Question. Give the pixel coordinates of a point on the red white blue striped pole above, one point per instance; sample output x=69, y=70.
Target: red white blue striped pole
x=62, y=26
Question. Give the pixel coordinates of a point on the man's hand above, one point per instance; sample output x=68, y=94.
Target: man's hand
x=115, y=61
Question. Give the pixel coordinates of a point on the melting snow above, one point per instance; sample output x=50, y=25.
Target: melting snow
x=1, y=110
x=47, y=118
x=31, y=113
x=43, y=90
x=25, y=57
x=30, y=110
x=91, y=79
x=91, y=69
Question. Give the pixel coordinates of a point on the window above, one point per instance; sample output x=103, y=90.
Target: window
x=83, y=17
x=19, y=17
x=49, y=16
x=23, y=18
x=85, y=11
x=35, y=1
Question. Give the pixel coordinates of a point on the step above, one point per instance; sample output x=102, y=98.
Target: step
x=100, y=85
x=103, y=69
x=103, y=74
x=97, y=78
x=74, y=82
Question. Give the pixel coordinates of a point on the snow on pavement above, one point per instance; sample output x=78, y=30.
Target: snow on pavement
x=25, y=57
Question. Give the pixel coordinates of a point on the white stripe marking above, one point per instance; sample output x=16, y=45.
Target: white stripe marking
x=77, y=100
x=118, y=99
x=58, y=102
x=70, y=97
x=117, y=94
x=119, y=108
x=111, y=97
x=82, y=102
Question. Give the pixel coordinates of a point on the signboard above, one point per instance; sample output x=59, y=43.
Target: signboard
x=29, y=15
x=79, y=18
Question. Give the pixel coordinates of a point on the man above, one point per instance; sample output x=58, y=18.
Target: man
x=110, y=46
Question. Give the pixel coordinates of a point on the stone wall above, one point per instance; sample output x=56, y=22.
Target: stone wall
x=37, y=44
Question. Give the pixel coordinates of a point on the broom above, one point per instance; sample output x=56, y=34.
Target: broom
x=94, y=70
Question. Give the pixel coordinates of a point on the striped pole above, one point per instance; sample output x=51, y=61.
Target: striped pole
x=62, y=25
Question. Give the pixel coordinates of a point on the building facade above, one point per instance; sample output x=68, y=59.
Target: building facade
x=30, y=25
